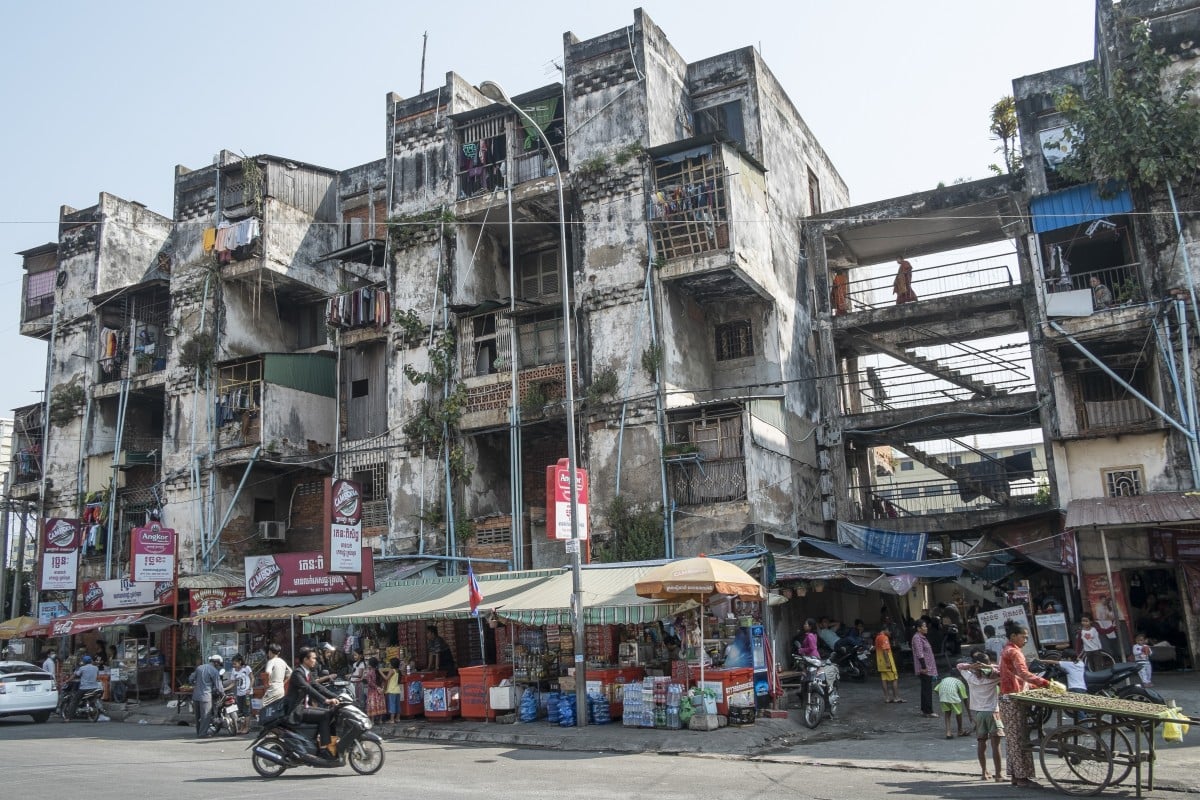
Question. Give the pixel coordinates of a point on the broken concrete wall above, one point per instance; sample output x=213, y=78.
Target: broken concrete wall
x=131, y=237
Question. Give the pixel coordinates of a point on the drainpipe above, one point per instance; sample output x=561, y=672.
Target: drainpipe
x=1187, y=264
x=516, y=487
x=1188, y=382
x=122, y=407
x=660, y=419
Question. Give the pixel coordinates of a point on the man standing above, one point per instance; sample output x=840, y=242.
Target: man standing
x=925, y=666
x=206, y=686
x=308, y=701
x=242, y=682
x=278, y=673
x=440, y=659
x=51, y=664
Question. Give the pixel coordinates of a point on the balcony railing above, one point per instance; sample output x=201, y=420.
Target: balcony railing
x=923, y=498
x=1115, y=414
x=1123, y=284
x=495, y=148
x=696, y=482
x=942, y=280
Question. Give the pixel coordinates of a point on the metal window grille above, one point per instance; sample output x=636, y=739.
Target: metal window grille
x=1123, y=481
x=735, y=340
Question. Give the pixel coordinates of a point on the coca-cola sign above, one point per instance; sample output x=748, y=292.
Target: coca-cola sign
x=60, y=554
x=295, y=574
x=152, y=553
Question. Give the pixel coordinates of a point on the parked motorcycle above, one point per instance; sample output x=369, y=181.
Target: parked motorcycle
x=282, y=745
x=851, y=658
x=225, y=718
x=86, y=706
x=818, y=689
x=1121, y=680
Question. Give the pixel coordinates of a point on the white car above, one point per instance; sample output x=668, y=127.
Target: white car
x=26, y=690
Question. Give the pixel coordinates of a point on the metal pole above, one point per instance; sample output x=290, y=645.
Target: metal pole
x=5, y=537
x=495, y=92
x=19, y=574
x=1112, y=594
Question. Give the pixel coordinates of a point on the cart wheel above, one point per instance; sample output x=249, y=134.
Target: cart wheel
x=1118, y=745
x=1077, y=761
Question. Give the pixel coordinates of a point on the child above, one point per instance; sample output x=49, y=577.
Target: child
x=951, y=692
x=1076, y=683
x=393, y=690
x=984, y=682
x=886, y=664
x=1141, y=654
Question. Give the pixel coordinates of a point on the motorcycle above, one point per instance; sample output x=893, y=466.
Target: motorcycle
x=225, y=718
x=86, y=706
x=851, y=658
x=1106, y=682
x=283, y=745
x=818, y=689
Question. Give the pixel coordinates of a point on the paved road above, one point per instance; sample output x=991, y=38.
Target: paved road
x=116, y=762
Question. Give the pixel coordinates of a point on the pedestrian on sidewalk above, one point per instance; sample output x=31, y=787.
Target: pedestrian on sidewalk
x=243, y=680
x=951, y=693
x=1016, y=677
x=925, y=665
x=983, y=682
x=278, y=672
x=393, y=691
x=885, y=663
x=375, y=682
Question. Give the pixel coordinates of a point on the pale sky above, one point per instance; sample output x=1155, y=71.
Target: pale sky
x=111, y=96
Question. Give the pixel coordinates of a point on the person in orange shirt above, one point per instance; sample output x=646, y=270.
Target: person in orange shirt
x=885, y=662
x=1016, y=677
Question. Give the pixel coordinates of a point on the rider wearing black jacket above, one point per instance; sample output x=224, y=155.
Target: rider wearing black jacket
x=307, y=701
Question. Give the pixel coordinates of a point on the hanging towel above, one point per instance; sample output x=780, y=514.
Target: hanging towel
x=210, y=239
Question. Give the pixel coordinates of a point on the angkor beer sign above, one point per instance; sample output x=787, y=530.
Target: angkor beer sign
x=343, y=526
x=60, y=554
x=152, y=553
x=293, y=574
x=558, y=500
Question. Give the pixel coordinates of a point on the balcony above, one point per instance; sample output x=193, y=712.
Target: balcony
x=494, y=147
x=700, y=190
x=37, y=289
x=283, y=403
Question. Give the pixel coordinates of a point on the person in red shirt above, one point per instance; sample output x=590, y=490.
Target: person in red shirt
x=1016, y=677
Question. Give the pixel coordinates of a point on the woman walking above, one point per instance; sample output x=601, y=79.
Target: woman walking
x=1016, y=677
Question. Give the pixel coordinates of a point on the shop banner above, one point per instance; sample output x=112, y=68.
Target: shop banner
x=48, y=611
x=105, y=595
x=60, y=542
x=202, y=601
x=997, y=618
x=296, y=574
x=1106, y=609
x=558, y=500
x=343, y=527
x=153, y=553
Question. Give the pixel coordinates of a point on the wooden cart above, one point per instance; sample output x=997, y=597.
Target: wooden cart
x=1097, y=742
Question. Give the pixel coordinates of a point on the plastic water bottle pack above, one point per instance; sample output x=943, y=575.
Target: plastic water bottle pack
x=552, y=701
x=528, y=711
x=598, y=709
x=566, y=711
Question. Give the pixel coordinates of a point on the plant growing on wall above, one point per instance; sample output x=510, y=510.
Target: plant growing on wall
x=652, y=358
x=636, y=535
x=66, y=401
x=409, y=229
x=411, y=327
x=534, y=399
x=1003, y=127
x=1131, y=129
x=604, y=383
x=253, y=185
x=198, y=352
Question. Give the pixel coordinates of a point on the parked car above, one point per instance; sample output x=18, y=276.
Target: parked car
x=26, y=690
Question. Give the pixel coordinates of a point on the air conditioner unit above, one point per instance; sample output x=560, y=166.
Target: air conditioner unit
x=273, y=531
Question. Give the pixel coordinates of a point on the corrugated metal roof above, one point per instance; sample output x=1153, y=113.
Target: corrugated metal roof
x=307, y=372
x=217, y=579
x=254, y=608
x=1140, y=510
x=1072, y=206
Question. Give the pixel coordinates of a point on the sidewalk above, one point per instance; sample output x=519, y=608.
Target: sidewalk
x=868, y=734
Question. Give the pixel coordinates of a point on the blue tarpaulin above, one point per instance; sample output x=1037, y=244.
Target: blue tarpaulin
x=1059, y=210
x=886, y=564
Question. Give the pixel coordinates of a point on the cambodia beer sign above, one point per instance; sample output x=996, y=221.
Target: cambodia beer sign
x=60, y=554
x=343, y=526
x=152, y=553
x=295, y=574
x=558, y=500
x=121, y=593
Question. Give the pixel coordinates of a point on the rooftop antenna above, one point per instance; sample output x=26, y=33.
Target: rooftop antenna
x=424, y=44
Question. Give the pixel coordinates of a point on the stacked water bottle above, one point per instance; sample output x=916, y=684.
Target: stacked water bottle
x=674, y=694
x=552, y=701
x=566, y=710
x=598, y=709
x=528, y=711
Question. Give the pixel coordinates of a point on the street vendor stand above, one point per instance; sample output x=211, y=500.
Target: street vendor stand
x=1111, y=738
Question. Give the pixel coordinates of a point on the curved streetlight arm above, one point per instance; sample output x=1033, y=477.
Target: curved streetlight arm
x=493, y=91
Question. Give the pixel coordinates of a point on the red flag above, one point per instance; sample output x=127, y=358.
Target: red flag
x=474, y=595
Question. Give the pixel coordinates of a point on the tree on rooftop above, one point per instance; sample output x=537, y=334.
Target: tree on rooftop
x=1003, y=128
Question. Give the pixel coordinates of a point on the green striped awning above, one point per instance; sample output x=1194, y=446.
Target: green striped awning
x=609, y=598
x=430, y=598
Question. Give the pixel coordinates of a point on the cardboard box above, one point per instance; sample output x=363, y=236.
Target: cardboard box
x=566, y=683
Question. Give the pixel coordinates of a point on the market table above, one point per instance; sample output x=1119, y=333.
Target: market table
x=1095, y=752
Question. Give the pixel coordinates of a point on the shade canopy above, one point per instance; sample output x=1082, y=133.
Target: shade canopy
x=16, y=627
x=698, y=578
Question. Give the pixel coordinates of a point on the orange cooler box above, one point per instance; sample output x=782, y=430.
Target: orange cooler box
x=730, y=681
x=442, y=698
x=412, y=694
x=613, y=676
x=476, y=686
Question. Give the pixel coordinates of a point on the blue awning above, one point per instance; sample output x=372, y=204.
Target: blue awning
x=1078, y=204
x=889, y=566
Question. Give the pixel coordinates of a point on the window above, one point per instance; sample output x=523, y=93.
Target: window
x=906, y=466
x=359, y=388
x=538, y=274
x=373, y=480
x=814, y=193
x=482, y=156
x=954, y=461
x=735, y=340
x=725, y=118
x=484, y=344
x=1122, y=481
x=39, y=294
x=540, y=340
x=689, y=209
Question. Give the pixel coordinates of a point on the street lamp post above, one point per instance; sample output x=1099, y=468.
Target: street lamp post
x=493, y=91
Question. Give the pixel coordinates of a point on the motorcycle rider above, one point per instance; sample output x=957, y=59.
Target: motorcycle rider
x=308, y=701
x=207, y=688
x=88, y=675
